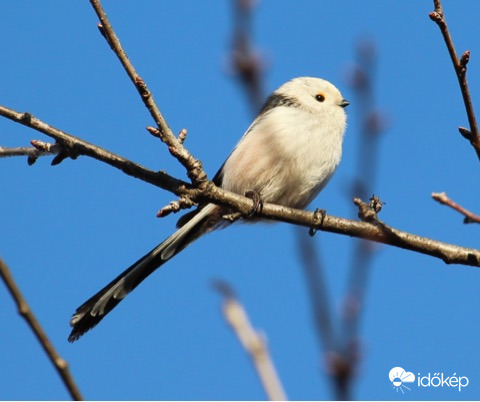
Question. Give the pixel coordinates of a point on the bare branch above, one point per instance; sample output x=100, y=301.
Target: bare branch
x=460, y=66
x=318, y=292
x=182, y=135
x=77, y=146
x=344, y=360
x=470, y=217
x=368, y=212
x=194, y=167
x=175, y=206
x=449, y=253
x=252, y=341
x=245, y=60
x=24, y=310
x=40, y=149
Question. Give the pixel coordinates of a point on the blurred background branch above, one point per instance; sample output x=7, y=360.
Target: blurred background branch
x=340, y=351
x=372, y=124
x=252, y=341
x=245, y=59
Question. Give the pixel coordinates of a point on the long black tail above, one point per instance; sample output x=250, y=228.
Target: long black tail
x=98, y=306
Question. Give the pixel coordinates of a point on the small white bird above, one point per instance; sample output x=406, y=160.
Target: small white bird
x=286, y=157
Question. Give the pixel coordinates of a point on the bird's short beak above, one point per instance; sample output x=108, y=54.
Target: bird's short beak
x=344, y=103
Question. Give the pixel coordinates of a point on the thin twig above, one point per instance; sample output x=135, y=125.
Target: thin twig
x=470, y=217
x=193, y=166
x=32, y=153
x=252, y=341
x=22, y=151
x=24, y=310
x=449, y=253
x=460, y=66
x=175, y=206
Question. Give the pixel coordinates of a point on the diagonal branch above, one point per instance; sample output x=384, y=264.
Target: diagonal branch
x=460, y=66
x=470, y=217
x=24, y=310
x=193, y=166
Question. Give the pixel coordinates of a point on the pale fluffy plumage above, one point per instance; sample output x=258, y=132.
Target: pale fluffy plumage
x=287, y=156
x=290, y=152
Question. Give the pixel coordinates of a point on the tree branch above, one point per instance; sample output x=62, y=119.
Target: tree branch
x=373, y=124
x=24, y=310
x=252, y=341
x=209, y=192
x=317, y=290
x=449, y=253
x=246, y=62
x=193, y=166
x=39, y=148
x=76, y=146
x=24, y=151
x=470, y=217
x=460, y=66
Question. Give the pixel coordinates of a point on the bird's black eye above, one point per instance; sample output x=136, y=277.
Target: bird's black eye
x=320, y=97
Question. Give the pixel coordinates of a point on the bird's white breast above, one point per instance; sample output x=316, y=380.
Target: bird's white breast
x=288, y=155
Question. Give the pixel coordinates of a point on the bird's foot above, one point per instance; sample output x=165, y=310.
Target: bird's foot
x=318, y=218
x=255, y=196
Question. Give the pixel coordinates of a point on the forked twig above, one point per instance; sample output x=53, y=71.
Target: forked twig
x=193, y=166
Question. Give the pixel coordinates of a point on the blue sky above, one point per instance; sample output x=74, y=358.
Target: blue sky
x=67, y=230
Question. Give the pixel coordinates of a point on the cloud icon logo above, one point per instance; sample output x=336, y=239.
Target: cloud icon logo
x=398, y=376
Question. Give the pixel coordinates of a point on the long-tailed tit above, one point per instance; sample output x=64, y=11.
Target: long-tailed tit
x=286, y=157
